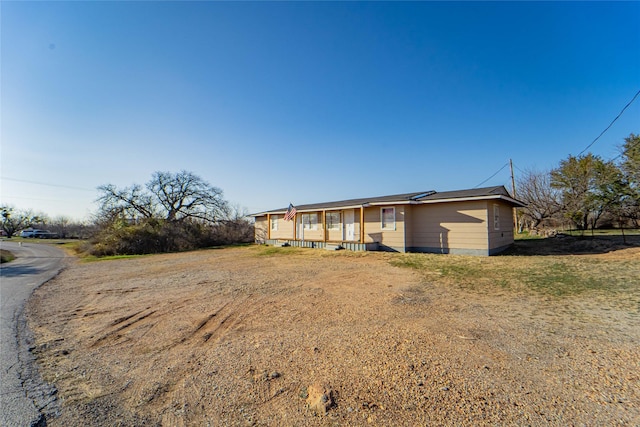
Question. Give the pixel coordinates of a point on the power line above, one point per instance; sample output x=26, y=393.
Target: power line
x=39, y=199
x=45, y=184
x=629, y=149
x=516, y=166
x=612, y=122
x=499, y=170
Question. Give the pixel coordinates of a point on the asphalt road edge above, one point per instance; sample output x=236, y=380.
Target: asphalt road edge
x=44, y=395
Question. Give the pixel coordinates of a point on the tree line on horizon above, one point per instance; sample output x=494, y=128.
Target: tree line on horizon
x=584, y=192
x=15, y=220
x=172, y=212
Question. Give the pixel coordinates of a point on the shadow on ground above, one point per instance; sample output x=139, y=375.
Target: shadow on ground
x=570, y=245
x=12, y=270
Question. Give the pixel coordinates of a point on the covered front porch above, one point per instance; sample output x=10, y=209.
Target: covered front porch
x=327, y=228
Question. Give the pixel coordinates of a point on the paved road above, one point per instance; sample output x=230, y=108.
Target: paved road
x=24, y=399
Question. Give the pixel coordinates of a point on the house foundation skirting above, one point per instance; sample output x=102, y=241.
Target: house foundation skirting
x=375, y=246
x=458, y=251
x=350, y=246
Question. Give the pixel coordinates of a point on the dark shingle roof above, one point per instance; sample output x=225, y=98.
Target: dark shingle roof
x=357, y=202
x=421, y=196
x=474, y=192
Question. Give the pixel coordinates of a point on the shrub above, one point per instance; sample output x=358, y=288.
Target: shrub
x=157, y=236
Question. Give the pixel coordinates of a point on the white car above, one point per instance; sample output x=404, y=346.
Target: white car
x=38, y=234
x=28, y=232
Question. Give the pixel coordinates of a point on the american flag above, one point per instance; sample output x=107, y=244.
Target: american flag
x=291, y=212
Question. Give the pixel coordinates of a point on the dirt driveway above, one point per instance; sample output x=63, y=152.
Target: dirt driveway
x=255, y=336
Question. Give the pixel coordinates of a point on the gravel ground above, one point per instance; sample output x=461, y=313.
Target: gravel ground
x=237, y=337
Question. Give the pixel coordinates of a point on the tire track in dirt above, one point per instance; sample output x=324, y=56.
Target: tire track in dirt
x=119, y=321
x=208, y=327
x=176, y=383
x=204, y=323
x=142, y=320
x=231, y=320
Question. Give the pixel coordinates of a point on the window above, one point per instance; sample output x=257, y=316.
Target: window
x=333, y=220
x=496, y=217
x=310, y=221
x=274, y=222
x=388, y=218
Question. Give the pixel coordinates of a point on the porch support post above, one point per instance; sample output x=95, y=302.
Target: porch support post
x=361, y=224
x=324, y=225
x=268, y=226
x=295, y=226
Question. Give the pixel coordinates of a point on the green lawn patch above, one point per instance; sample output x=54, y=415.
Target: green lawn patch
x=92, y=258
x=554, y=275
x=6, y=256
x=264, y=250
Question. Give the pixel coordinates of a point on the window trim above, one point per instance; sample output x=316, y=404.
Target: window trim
x=334, y=225
x=273, y=226
x=310, y=225
x=384, y=226
x=496, y=217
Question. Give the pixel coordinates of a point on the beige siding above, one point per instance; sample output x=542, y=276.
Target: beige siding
x=336, y=235
x=504, y=236
x=260, y=229
x=285, y=228
x=408, y=226
x=446, y=226
x=387, y=239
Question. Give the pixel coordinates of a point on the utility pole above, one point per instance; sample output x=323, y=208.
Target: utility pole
x=513, y=194
x=513, y=180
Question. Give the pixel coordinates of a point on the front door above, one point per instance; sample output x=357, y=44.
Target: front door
x=300, y=221
x=349, y=226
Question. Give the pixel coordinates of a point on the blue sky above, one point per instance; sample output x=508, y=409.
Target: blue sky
x=278, y=102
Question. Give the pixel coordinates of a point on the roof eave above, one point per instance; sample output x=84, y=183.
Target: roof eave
x=335, y=208
x=474, y=198
x=267, y=213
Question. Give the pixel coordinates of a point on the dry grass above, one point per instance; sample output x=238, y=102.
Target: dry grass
x=241, y=336
x=559, y=276
x=551, y=269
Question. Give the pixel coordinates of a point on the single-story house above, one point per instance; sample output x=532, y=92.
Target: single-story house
x=479, y=221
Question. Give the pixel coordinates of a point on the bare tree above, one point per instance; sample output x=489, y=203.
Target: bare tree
x=131, y=203
x=542, y=200
x=60, y=225
x=173, y=197
x=172, y=212
x=185, y=195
